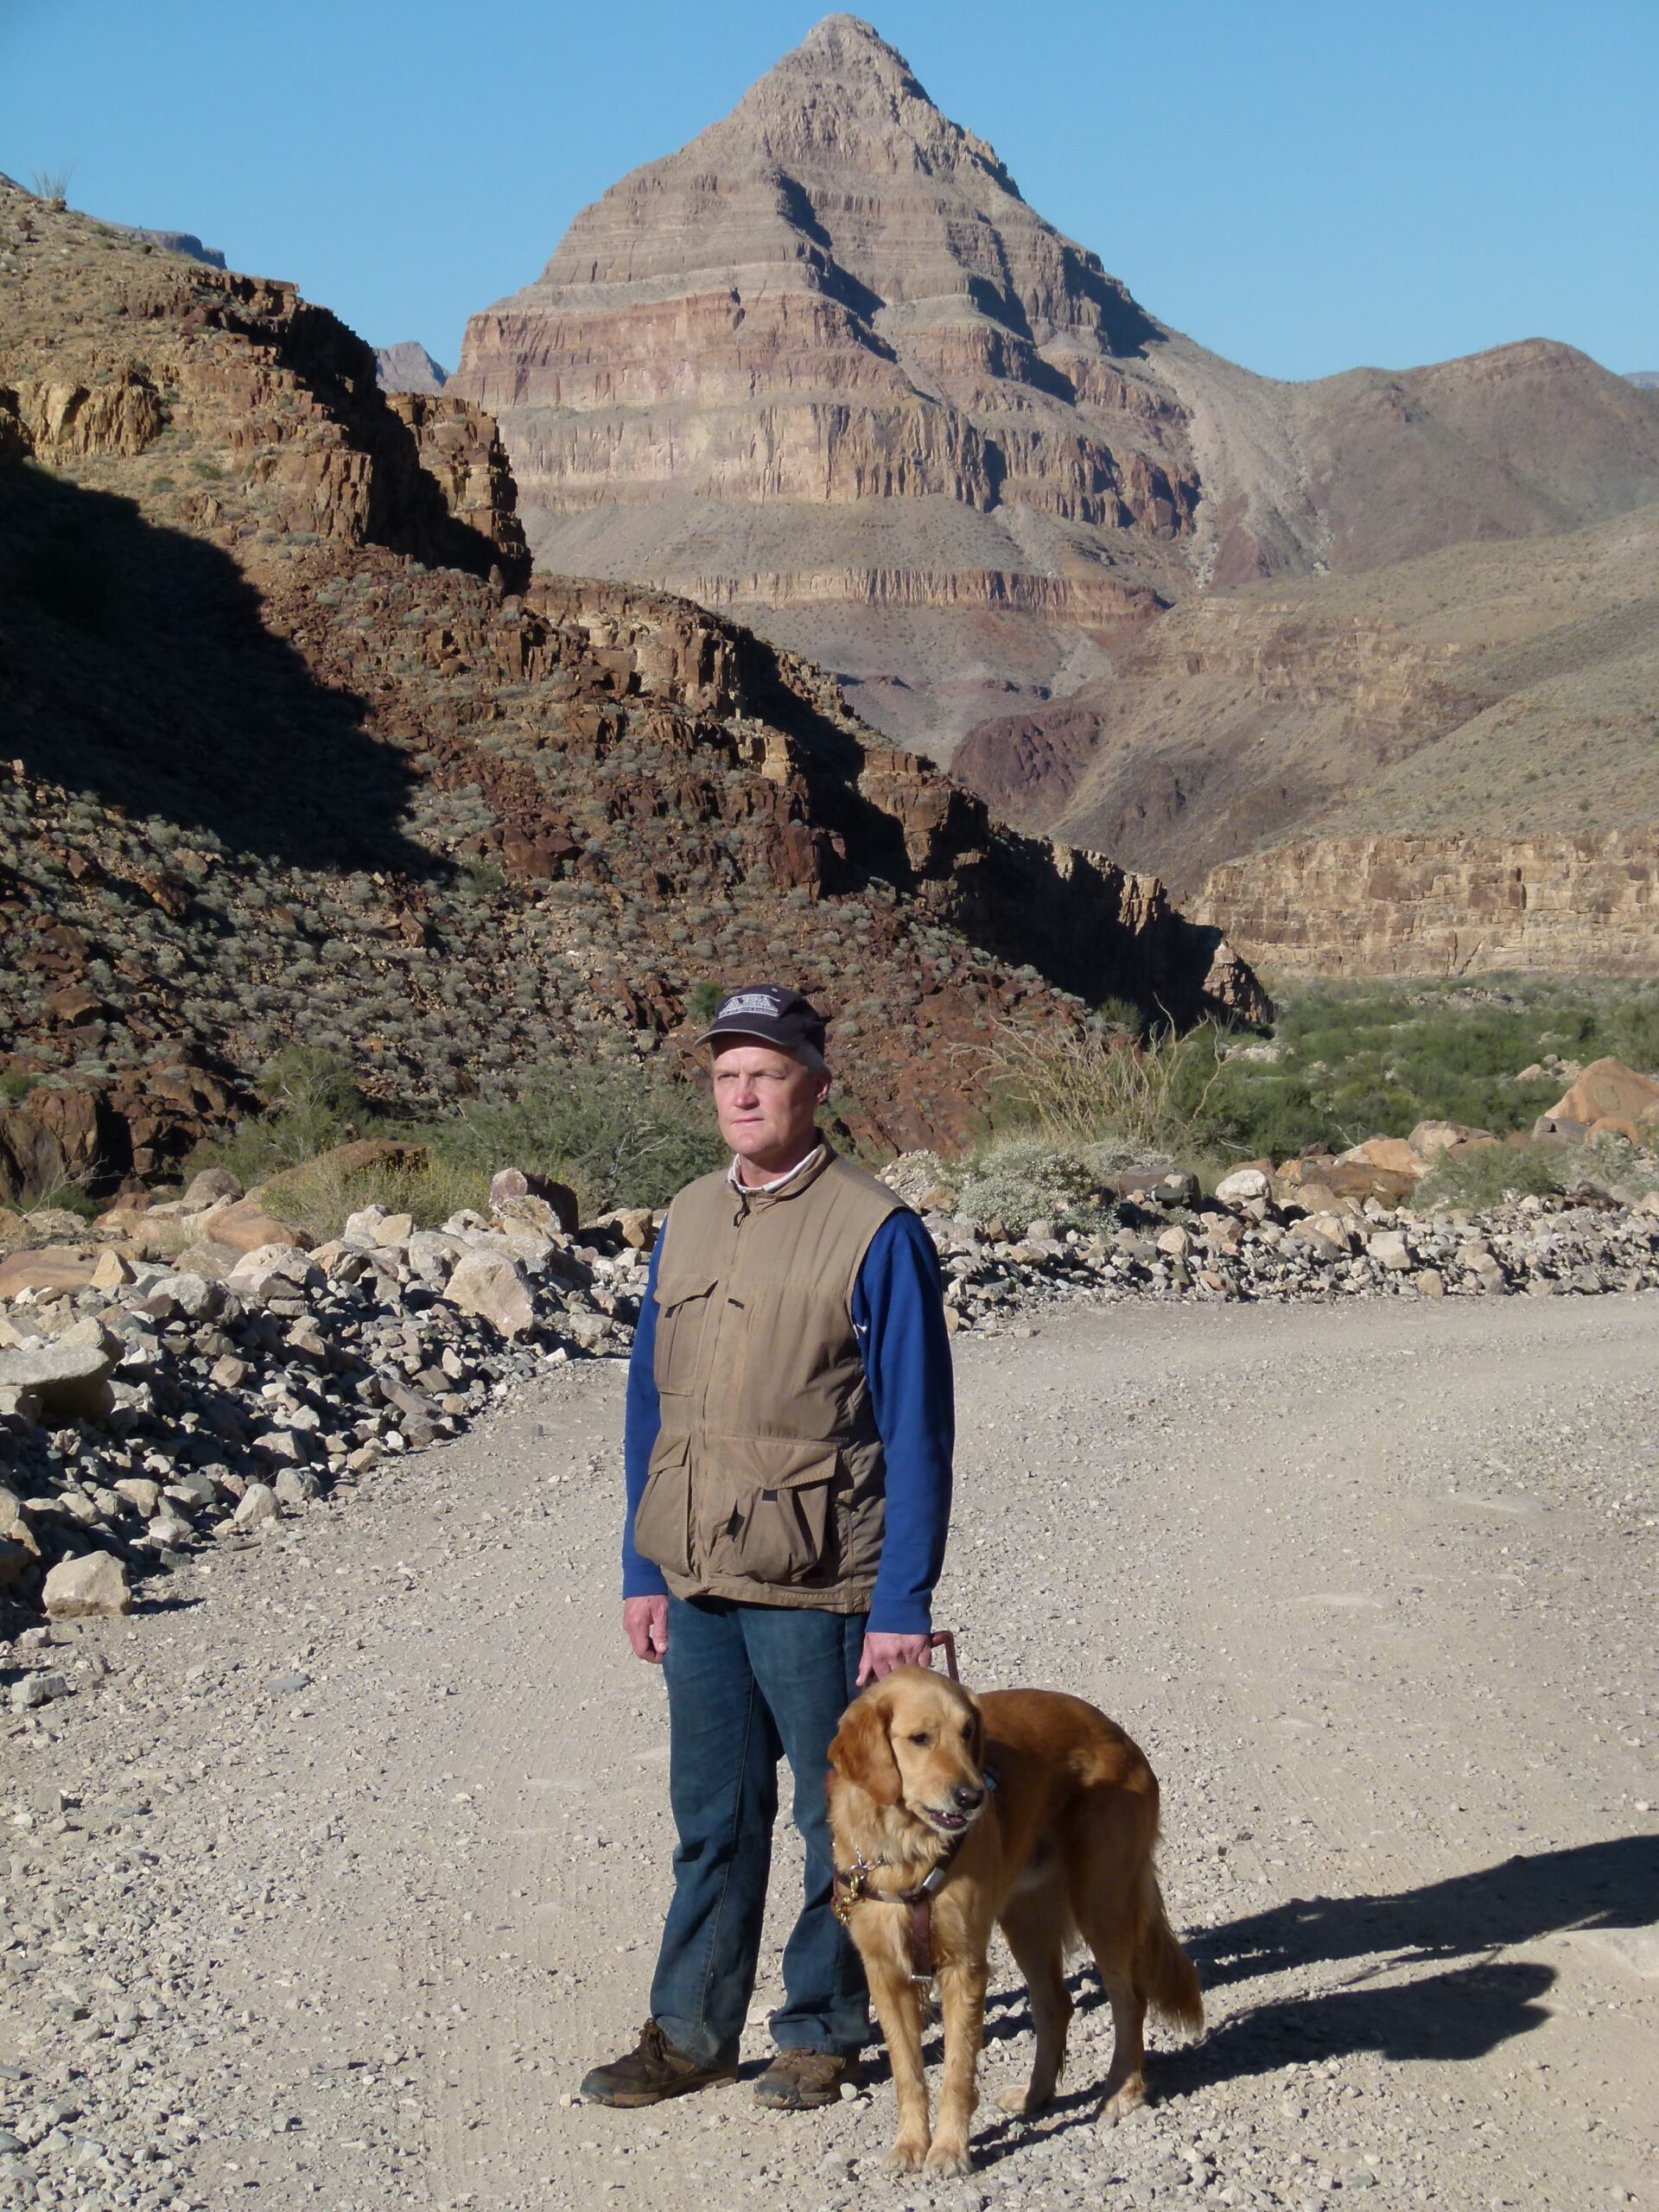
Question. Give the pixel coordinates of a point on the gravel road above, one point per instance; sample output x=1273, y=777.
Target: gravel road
x=347, y=1856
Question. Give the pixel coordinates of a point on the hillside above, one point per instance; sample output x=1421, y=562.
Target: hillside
x=1506, y=690
x=825, y=367
x=298, y=750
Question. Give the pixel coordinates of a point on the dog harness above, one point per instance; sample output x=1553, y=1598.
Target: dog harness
x=850, y=1886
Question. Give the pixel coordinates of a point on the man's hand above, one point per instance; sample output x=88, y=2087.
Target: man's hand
x=644, y=1622
x=881, y=1654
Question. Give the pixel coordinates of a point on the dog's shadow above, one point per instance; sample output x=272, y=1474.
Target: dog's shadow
x=1465, y=2007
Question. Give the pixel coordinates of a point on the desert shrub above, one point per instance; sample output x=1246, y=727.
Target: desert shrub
x=620, y=1135
x=480, y=879
x=321, y=1197
x=15, y=1084
x=312, y=1104
x=1488, y=1174
x=53, y=185
x=1021, y=1180
x=1099, y=1087
x=704, y=1001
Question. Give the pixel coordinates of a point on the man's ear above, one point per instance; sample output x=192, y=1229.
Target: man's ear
x=861, y=1752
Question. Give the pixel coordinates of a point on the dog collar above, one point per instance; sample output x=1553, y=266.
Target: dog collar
x=850, y=1886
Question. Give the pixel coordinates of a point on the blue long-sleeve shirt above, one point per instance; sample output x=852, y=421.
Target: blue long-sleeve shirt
x=899, y=1320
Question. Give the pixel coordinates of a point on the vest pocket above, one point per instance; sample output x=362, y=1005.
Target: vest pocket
x=662, y=1521
x=769, y=1516
x=682, y=1312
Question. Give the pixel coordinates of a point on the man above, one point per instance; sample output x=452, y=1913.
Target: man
x=789, y=1433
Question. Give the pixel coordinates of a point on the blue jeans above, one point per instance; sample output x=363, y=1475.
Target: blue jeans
x=746, y=1685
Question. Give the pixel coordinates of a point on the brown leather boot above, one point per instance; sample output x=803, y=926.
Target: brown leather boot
x=796, y=2080
x=653, y=2069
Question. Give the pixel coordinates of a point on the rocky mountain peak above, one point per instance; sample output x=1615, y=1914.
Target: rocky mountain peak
x=845, y=93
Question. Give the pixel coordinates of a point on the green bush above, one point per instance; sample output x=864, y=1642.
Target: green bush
x=1488, y=1174
x=1021, y=1180
x=480, y=879
x=312, y=1102
x=618, y=1135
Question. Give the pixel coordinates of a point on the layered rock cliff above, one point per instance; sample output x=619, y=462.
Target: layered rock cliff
x=1358, y=906
x=824, y=366
x=298, y=752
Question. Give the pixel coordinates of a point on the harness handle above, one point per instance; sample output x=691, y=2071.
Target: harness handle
x=943, y=1640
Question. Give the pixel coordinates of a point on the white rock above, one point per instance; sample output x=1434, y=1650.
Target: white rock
x=257, y=1505
x=1389, y=1250
x=92, y=1587
x=1243, y=1184
x=492, y=1286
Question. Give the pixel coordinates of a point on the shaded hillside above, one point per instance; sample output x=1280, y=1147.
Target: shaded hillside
x=825, y=367
x=300, y=753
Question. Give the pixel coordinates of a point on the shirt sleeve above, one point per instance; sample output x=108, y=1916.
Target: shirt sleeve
x=643, y=1419
x=898, y=1319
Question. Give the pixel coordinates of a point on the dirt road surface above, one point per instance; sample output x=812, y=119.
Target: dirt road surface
x=330, y=1889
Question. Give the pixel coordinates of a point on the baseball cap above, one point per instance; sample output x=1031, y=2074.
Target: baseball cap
x=776, y=1016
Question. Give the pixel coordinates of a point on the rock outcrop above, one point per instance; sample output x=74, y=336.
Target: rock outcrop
x=408, y=367
x=824, y=366
x=1444, y=905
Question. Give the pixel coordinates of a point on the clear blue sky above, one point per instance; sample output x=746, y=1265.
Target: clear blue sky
x=1304, y=185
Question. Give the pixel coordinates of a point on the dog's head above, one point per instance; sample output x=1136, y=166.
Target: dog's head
x=917, y=1740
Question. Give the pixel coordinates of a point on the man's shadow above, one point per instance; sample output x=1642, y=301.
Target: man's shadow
x=1458, y=2012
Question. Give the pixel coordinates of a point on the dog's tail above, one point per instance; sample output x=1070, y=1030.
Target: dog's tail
x=1165, y=1972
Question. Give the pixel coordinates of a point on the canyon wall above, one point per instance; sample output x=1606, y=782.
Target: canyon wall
x=1447, y=905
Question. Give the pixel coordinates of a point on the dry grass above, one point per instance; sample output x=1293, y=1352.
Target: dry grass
x=319, y=1198
x=1107, y=1087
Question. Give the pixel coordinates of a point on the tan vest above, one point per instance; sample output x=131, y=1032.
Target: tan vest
x=766, y=1483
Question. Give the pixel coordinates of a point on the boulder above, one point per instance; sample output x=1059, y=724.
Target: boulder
x=112, y=1271
x=52, y=1267
x=1388, y=1249
x=92, y=1587
x=1608, y=1089
x=274, y=1269
x=511, y=1183
x=635, y=1226
x=1393, y=1154
x=70, y=1373
x=245, y=1226
x=208, y=1188
x=14, y=1527
x=1242, y=1186
x=1429, y=1139
x=492, y=1284
x=255, y=1506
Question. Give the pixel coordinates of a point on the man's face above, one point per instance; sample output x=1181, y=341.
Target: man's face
x=766, y=1101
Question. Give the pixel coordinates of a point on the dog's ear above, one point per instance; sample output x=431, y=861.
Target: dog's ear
x=979, y=1733
x=861, y=1752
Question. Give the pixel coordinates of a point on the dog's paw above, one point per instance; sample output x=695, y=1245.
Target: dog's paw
x=905, y=2157
x=947, y=2157
x=1129, y=2099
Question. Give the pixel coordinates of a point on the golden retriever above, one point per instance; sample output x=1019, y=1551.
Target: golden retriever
x=1047, y=1814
